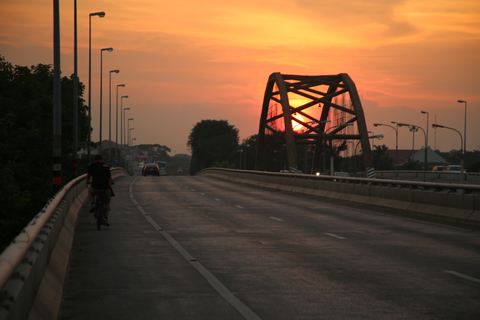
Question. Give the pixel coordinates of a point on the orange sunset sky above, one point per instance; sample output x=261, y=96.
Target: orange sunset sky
x=185, y=61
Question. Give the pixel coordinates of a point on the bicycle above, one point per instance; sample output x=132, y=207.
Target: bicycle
x=99, y=213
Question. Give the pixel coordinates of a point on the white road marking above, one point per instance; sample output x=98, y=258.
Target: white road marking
x=239, y=207
x=464, y=276
x=275, y=218
x=245, y=311
x=335, y=236
x=216, y=199
x=202, y=194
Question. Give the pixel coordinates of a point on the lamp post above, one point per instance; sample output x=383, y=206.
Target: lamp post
x=75, y=90
x=116, y=123
x=128, y=127
x=341, y=126
x=122, y=133
x=57, y=101
x=464, y=127
x=129, y=135
x=415, y=128
x=101, y=15
x=122, y=121
x=396, y=144
x=427, y=144
x=306, y=149
x=462, y=141
x=129, y=130
x=101, y=90
x=110, y=113
x=378, y=136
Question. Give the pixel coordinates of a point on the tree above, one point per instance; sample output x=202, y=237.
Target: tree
x=26, y=131
x=380, y=159
x=212, y=141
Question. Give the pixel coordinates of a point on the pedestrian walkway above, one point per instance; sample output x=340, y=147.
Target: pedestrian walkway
x=129, y=271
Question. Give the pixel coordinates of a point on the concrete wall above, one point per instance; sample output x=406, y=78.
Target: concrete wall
x=33, y=267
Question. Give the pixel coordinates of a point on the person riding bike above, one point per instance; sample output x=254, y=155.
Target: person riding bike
x=99, y=174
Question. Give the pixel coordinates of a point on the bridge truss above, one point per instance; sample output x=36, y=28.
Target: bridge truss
x=313, y=111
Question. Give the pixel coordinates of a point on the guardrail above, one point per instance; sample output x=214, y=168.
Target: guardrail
x=460, y=202
x=23, y=263
x=430, y=176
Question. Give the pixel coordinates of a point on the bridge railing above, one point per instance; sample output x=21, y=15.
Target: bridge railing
x=459, y=202
x=24, y=261
x=431, y=176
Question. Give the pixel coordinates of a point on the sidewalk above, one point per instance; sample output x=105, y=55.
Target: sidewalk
x=129, y=271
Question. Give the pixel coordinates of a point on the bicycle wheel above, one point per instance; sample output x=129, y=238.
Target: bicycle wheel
x=99, y=214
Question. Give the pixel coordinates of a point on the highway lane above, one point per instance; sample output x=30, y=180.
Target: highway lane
x=288, y=257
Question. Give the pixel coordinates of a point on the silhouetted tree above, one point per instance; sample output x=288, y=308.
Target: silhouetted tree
x=212, y=141
x=26, y=147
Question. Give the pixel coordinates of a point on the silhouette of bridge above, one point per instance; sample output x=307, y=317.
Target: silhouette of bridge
x=313, y=111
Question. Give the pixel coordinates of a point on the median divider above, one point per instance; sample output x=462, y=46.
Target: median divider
x=459, y=202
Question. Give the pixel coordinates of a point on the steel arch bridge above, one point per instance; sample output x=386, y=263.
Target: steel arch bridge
x=311, y=110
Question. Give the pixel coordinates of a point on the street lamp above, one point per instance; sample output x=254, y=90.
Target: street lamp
x=129, y=135
x=128, y=127
x=341, y=126
x=464, y=127
x=75, y=90
x=426, y=153
x=122, y=121
x=412, y=128
x=110, y=112
x=101, y=15
x=435, y=126
x=377, y=136
x=122, y=133
x=396, y=143
x=116, y=123
x=101, y=89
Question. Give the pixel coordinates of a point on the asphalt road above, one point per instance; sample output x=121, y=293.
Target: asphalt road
x=182, y=247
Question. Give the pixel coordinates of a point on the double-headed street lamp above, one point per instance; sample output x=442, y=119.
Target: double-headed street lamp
x=428, y=117
x=101, y=90
x=110, y=112
x=396, y=144
x=415, y=128
x=462, y=141
x=464, y=126
x=101, y=15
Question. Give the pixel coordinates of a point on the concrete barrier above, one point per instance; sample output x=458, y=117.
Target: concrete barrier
x=460, y=202
x=36, y=258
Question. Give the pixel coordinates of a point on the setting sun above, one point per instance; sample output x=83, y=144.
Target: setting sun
x=297, y=125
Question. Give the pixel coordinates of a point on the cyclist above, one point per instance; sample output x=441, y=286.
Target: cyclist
x=99, y=173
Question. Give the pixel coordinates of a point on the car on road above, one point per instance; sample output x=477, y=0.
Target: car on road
x=454, y=168
x=162, y=165
x=440, y=168
x=151, y=168
x=341, y=174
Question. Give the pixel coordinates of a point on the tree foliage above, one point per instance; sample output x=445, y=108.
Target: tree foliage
x=26, y=147
x=212, y=142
